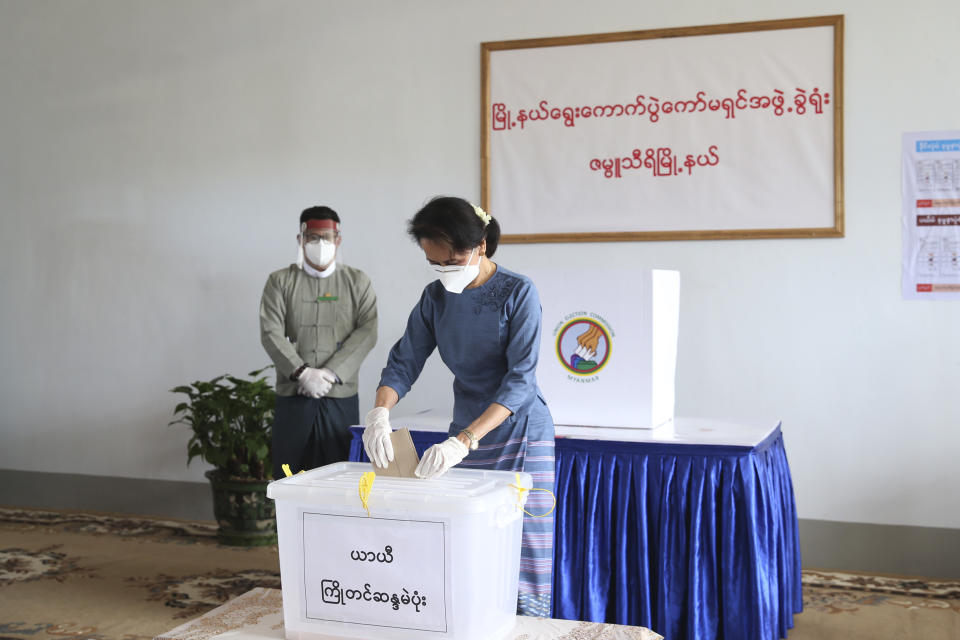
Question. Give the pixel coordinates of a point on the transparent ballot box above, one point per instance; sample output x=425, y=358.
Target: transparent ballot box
x=420, y=559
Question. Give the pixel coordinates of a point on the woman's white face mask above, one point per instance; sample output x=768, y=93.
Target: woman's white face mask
x=455, y=278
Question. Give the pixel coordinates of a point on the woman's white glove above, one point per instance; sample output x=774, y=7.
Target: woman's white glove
x=316, y=383
x=438, y=459
x=376, y=436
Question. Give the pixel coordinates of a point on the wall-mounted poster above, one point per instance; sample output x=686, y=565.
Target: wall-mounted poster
x=724, y=131
x=931, y=215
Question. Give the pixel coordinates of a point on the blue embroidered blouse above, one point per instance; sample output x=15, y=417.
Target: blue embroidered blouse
x=489, y=337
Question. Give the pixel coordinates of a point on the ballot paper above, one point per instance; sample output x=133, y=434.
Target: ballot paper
x=405, y=458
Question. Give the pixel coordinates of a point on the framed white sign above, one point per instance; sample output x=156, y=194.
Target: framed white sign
x=723, y=131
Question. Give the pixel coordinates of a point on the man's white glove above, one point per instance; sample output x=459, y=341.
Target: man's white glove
x=438, y=459
x=316, y=383
x=376, y=436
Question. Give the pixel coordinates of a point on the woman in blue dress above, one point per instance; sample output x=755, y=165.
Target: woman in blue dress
x=485, y=322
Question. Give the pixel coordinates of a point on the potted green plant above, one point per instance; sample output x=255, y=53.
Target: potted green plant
x=231, y=419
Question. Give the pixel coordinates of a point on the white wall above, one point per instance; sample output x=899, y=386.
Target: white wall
x=154, y=157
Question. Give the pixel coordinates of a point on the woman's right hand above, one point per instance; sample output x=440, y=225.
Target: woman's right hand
x=376, y=436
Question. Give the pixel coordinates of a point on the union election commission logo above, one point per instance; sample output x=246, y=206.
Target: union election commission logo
x=583, y=343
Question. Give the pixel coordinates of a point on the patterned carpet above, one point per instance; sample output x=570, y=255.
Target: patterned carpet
x=852, y=606
x=85, y=576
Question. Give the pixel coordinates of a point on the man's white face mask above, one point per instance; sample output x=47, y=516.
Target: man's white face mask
x=455, y=278
x=320, y=253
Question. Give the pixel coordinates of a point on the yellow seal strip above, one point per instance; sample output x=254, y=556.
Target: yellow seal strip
x=286, y=470
x=521, y=490
x=366, y=486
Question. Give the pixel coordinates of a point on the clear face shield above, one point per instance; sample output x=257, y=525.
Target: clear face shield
x=318, y=245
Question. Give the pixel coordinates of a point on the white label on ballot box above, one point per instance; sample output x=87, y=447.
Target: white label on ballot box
x=377, y=572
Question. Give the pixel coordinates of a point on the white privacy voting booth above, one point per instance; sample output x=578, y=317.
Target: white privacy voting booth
x=433, y=559
x=608, y=351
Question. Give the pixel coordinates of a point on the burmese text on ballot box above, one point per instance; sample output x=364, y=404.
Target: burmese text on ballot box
x=433, y=558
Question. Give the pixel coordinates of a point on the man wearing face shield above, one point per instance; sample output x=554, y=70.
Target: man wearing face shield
x=318, y=321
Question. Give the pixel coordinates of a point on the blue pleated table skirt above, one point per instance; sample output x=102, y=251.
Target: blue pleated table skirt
x=696, y=542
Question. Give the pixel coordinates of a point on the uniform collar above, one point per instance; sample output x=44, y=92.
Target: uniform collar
x=326, y=273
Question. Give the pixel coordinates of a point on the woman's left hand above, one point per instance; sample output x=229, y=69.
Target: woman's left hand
x=438, y=459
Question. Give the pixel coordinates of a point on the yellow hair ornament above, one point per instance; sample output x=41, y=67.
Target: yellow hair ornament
x=483, y=215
